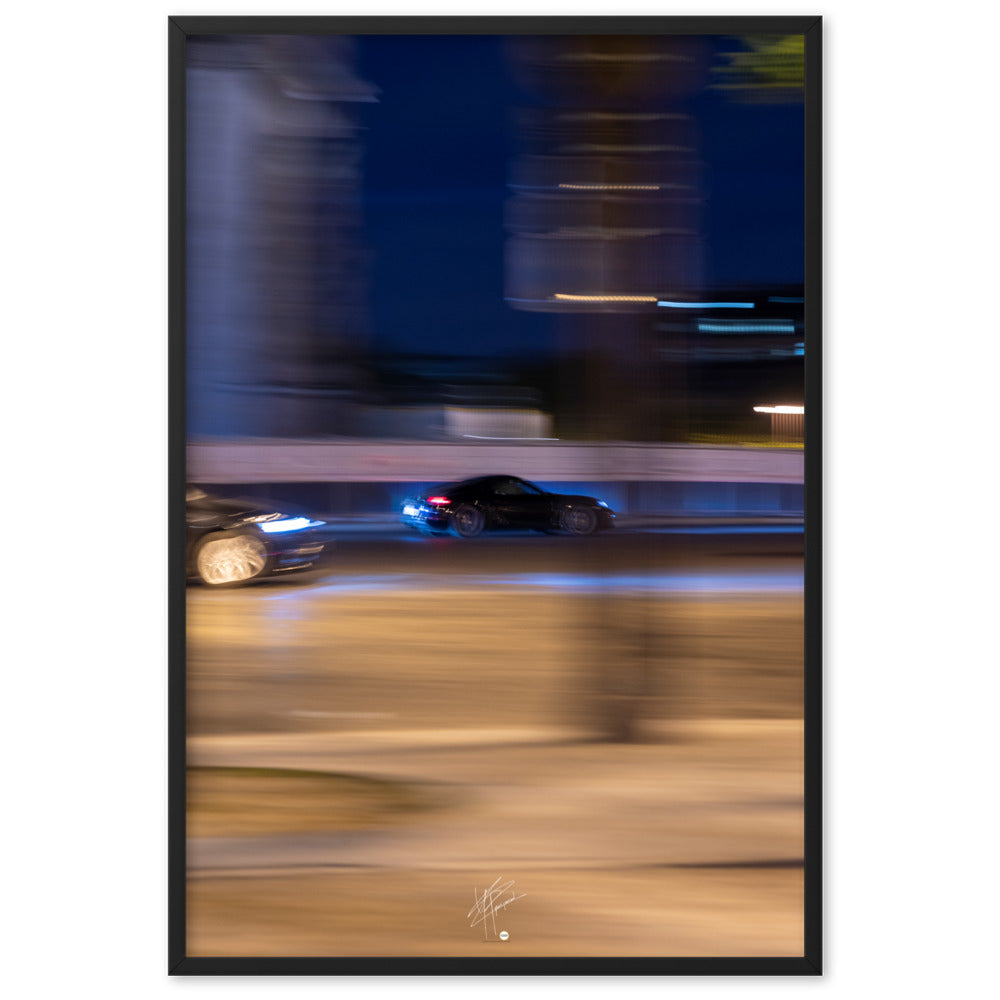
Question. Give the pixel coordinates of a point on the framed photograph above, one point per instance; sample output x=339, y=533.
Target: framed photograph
x=495, y=518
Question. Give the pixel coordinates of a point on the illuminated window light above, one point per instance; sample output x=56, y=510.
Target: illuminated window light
x=562, y=297
x=706, y=305
x=779, y=409
x=746, y=328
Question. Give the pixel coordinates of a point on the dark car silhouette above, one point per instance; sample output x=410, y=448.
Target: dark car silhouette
x=234, y=541
x=489, y=503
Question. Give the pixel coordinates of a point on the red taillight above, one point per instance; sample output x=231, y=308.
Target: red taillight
x=438, y=500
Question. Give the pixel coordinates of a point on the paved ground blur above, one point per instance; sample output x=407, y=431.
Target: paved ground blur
x=499, y=674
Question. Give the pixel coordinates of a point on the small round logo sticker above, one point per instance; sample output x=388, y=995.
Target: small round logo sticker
x=504, y=935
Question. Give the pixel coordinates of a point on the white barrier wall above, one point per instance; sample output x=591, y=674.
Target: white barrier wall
x=290, y=461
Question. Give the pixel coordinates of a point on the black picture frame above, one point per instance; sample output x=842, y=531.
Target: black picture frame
x=180, y=30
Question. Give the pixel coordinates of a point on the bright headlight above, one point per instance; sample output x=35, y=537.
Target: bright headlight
x=288, y=524
x=601, y=503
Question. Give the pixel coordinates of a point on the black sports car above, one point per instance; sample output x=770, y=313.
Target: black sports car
x=233, y=541
x=489, y=502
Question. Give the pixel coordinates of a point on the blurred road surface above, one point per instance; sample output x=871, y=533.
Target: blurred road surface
x=499, y=672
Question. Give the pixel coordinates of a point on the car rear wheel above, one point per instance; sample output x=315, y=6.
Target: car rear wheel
x=579, y=521
x=224, y=560
x=467, y=522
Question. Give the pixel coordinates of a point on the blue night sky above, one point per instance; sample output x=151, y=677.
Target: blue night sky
x=436, y=159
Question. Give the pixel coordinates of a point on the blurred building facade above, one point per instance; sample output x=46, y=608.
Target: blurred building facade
x=276, y=262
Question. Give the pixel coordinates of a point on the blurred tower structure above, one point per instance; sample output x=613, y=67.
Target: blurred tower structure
x=276, y=316
x=604, y=217
x=604, y=221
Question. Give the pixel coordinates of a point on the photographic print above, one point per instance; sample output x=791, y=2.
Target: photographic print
x=495, y=453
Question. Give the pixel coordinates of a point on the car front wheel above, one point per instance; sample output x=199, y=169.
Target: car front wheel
x=224, y=560
x=579, y=521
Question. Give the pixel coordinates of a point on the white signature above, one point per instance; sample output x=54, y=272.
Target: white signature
x=487, y=905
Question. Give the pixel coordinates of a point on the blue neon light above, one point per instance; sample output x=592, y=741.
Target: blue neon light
x=286, y=524
x=784, y=298
x=705, y=327
x=707, y=305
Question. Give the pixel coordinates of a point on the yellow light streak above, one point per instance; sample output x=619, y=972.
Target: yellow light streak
x=564, y=297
